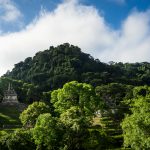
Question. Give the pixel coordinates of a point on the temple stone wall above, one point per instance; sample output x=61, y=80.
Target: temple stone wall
x=10, y=96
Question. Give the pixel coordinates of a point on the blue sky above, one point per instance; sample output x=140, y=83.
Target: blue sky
x=111, y=30
x=114, y=11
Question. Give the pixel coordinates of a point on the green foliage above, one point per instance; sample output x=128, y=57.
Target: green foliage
x=51, y=69
x=46, y=96
x=114, y=92
x=47, y=132
x=136, y=127
x=75, y=128
x=141, y=91
x=113, y=96
x=75, y=103
x=97, y=140
x=75, y=94
x=29, y=116
x=30, y=93
x=19, y=140
x=72, y=118
x=57, y=66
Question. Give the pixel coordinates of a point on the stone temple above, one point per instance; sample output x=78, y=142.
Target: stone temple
x=10, y=96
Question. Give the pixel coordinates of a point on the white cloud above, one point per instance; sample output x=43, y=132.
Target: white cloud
x=9, y=12
x=134, y=40
x=83, y=26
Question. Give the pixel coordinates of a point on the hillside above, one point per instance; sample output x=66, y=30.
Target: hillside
x=56, y=66
x=115, y=86
x=50, y=69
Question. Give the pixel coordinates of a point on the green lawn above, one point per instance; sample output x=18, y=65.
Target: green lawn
x=9, y=116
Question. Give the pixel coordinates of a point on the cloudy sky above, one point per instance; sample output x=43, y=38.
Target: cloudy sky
x=111, y=30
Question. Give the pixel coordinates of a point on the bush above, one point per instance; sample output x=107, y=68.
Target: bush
x=29, y=116
x=19, y=140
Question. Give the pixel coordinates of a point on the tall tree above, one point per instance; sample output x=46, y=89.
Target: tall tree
x=136, y=127
x=76, y=94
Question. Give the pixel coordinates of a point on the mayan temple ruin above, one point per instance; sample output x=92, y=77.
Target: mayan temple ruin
x=10, y=96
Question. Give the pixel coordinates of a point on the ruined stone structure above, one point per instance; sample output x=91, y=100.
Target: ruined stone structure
x=10, y=96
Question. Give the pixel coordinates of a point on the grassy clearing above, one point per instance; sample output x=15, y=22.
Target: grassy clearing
x=9, y=117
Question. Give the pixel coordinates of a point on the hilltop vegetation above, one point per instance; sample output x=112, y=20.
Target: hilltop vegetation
x=66, y=62
x=51, y=69
x=78, y=102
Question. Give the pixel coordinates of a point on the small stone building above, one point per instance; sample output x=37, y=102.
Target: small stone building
x=10, y=96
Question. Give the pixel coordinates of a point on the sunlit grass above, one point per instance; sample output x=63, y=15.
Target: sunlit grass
x=9, y=116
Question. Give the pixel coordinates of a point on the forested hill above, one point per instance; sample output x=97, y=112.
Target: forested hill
x=69, y=112
x=51, y=68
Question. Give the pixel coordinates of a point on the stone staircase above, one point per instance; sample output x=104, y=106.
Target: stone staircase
x=113, y=130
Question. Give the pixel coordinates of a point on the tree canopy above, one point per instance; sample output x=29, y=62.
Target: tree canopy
x=47, y=132
x=75, y=94
x=136, y=127
x=68, y=88
x=29, y=116
x=64, y=63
